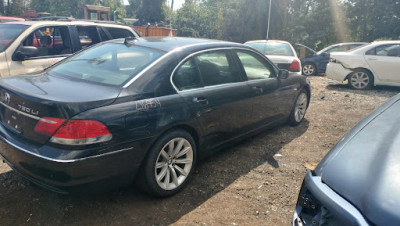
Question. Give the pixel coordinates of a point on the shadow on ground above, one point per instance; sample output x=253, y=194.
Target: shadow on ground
x=374, y=91
x=22, y=203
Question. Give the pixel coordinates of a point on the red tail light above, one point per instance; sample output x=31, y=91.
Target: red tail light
x=295, y=66
x=73, y=132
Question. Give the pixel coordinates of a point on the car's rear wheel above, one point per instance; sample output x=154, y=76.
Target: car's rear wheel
x=360, y=79
x=169, y=164
x=309, y=69
x=299, y=108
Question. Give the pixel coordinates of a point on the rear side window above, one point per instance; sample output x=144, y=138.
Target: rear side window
x=103, y=34
x=206, y=69
x=391, y=50
x=88, y=35
x=187, y=76
x=119, y=32
x=109, y=64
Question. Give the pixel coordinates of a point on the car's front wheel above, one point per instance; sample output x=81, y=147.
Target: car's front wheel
x=360, y=79
x=309, y=69
x=169, y=164
x=299, y=108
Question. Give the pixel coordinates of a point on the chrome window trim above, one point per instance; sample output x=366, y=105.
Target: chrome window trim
x=208, y=50
x=20, y=112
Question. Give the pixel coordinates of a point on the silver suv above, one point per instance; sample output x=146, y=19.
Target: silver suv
x=31, y=46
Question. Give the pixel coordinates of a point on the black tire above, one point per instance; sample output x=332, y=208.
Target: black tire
x=308, y=69
x=360, y=79
x=169, y=162
x=299, y=108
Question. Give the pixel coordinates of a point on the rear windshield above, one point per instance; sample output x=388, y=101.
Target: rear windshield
x=272, y=48
x=8, y=33
x=109, y=64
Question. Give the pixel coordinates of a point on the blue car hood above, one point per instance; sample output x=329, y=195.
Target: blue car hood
x=364, y=167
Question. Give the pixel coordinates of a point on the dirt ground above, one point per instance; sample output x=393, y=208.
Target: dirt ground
x=255, y=182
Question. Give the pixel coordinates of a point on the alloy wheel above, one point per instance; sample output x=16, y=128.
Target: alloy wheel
x=308, y=69
x=359, y=80
x=301, y=107
x=174, y=163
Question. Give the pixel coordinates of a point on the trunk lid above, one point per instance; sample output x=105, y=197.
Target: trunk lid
x=26, y=99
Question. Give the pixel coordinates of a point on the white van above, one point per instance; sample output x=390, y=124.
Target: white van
x=31, y=46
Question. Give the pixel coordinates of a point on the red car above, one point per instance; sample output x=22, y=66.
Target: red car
x=4, y=19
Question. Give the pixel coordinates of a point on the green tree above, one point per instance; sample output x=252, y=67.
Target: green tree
x=16, y=8
x=133, y=7
x=374, y=19
x=151, y=11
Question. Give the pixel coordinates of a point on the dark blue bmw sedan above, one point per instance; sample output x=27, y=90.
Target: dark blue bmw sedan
x=141, y=109
x=358, y=181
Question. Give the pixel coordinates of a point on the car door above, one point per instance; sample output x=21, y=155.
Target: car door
x=53, y=44
x=210, y=83
x=269, y=99
x=384, y=61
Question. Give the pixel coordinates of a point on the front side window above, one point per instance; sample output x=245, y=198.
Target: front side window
x=8, y=33
x=391, y=50
x=50, y=41
x=109, y=64
x=255, y=66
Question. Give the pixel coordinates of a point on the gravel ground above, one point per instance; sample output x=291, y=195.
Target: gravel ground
x=255, y=182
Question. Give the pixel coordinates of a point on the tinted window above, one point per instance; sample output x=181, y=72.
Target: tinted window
x=9, y=32
x=215, y=68
x=208, y=69
x=50, y=40
x=255, y=66
x=187, y=76
x=88, y=35
x=103, y=34
x=110, y=64
x=119, y=32
x=392, y=50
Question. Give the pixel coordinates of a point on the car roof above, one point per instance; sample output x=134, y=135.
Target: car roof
x=168, y=44
x=66, y=22
x=269, y=40
x=12, y=18
x=386, y=42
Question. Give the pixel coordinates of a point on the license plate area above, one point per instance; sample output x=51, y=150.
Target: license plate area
x=14, y=120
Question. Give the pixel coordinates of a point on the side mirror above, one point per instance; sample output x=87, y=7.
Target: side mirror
x=25, y=52
x=283, y=74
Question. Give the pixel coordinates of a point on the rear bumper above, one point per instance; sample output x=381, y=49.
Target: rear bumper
x=336, y=72
x=107, y=169
x=318, y=203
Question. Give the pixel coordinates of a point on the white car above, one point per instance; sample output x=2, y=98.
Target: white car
x=377, y=63
x=31, y=46
x=281, y=53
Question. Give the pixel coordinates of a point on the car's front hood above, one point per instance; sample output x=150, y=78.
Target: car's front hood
x=364, y=167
